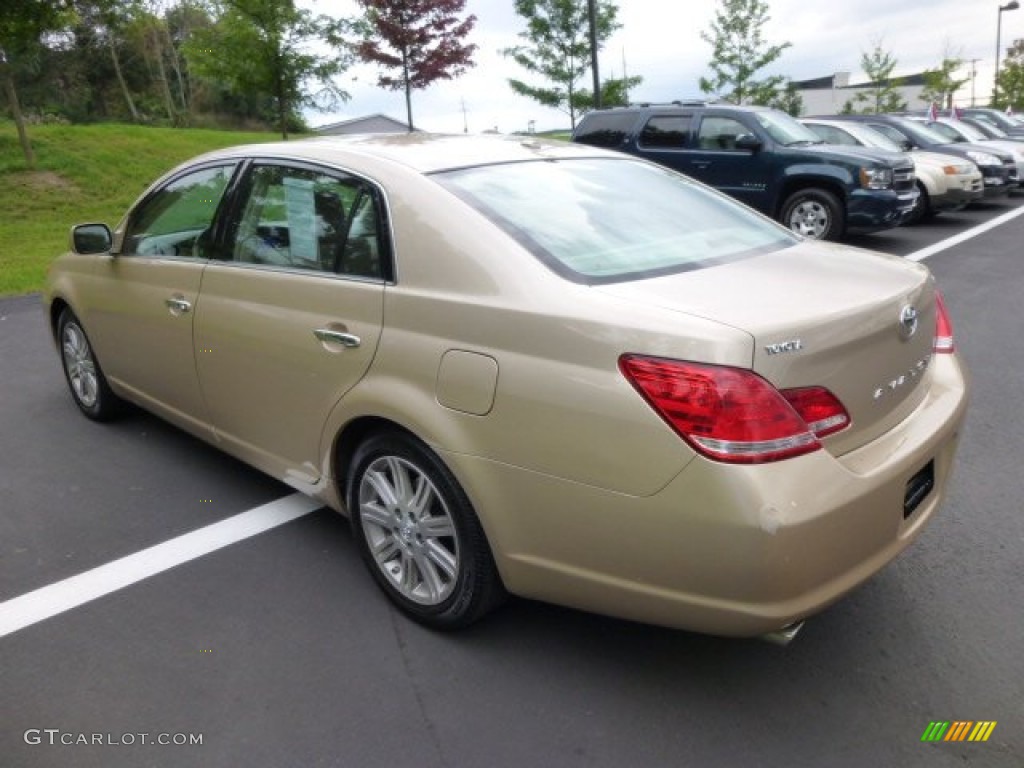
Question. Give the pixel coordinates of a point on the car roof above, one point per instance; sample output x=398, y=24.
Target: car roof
x=422, y=152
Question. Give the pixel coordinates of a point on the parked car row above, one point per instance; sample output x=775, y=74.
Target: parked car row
x=824, y=177
x=945, y=183
x=997, y=165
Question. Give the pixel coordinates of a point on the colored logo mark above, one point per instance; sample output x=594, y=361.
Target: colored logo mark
x=958, y=730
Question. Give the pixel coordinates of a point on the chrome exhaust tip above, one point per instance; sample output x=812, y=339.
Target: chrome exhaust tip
x=785, y=635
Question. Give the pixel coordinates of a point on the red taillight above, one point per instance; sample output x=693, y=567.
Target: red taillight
x=943, y=328
x=732, y=414
x=819, y=408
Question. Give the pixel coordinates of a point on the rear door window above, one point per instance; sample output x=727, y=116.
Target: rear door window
x=666, y=132
x=308, y=219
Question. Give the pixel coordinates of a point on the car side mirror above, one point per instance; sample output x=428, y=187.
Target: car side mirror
x=91, y=238
x=749, y=142
x=906, y=145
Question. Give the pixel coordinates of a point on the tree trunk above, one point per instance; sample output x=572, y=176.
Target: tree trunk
x=19, y=119
x=281, y=97
x=176, y=66
x=165, y=88
x=120, y=80
x=408, y=89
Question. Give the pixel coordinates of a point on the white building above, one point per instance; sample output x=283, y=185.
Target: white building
x=828, y=95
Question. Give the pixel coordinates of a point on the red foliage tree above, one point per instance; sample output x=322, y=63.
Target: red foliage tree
x=422, y=39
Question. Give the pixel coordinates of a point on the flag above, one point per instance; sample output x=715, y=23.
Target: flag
x=933, y=113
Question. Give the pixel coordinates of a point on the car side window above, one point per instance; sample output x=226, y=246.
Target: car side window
x=720, y=132
x=173, y=220
x=949, y=132
x=665, y=132
x=832, y=135
x=301, y=218
x=888, y=130
x=608, y=129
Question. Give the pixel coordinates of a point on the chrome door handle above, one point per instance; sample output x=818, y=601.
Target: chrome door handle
x=337, y=337
x=179, y=305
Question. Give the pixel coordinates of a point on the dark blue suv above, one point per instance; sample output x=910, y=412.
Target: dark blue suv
x=766, y=159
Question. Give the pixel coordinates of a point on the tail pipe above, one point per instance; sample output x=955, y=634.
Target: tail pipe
x=785, y=635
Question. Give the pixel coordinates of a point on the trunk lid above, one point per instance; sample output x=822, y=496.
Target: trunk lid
x=820, y=315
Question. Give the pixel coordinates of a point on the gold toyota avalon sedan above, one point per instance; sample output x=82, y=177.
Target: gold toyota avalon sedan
x=528, y=367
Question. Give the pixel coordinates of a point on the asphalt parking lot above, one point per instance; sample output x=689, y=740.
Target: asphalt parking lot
x=278, y=650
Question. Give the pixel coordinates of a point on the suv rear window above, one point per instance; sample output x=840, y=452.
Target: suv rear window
x=605, y=129
x=610, y=220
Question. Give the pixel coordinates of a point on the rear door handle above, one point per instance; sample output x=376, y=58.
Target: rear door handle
x=177, y=306
x=702, y=164
x=337, y=337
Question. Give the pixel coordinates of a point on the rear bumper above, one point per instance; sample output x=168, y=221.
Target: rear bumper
x=722, y=549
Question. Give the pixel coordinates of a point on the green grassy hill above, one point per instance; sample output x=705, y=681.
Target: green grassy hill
x=83, y=173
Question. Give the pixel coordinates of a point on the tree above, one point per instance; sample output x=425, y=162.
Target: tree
x=739, y=52
x=882, y=94
x=788, y=99
x=261, y=47
x=1011, y=79
x=422, y=39
x=614, y=93
x=559, y=51
x=940, y=84
x=22, y=24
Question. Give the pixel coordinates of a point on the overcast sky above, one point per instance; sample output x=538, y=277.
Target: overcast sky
x=660, y=41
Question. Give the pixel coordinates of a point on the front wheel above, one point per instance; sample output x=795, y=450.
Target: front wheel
x=418, y=534
x=922, y=207
x=85, y=378
x=814, y=213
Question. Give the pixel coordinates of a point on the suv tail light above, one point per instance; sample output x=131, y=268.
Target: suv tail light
x=943, y=328
x=732, y=414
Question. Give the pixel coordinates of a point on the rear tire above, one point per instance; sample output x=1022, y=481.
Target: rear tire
x=814, y=213
x=88, y=385
x=418, y=534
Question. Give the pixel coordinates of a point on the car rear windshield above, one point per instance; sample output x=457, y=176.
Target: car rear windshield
x=610, y=220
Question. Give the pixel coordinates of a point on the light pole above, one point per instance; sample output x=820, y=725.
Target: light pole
x=592, y=21
x=1013, y=5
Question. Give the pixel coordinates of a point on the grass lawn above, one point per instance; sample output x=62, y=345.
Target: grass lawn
x=83, y=173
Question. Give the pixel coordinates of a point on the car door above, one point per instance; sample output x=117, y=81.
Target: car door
x=290, y=318
x=717, y=161
x=140, y=306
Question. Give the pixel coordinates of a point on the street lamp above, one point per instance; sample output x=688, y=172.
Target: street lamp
x=1013, y=5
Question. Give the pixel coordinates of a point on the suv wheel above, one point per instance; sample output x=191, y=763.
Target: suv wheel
x=815, y=214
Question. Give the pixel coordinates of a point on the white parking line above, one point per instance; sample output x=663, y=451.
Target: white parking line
x=949, y=242
x=25, y=610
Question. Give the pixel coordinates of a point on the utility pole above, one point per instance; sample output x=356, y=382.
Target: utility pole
x=465, y=122
x=974, y=74
x=592, y=14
